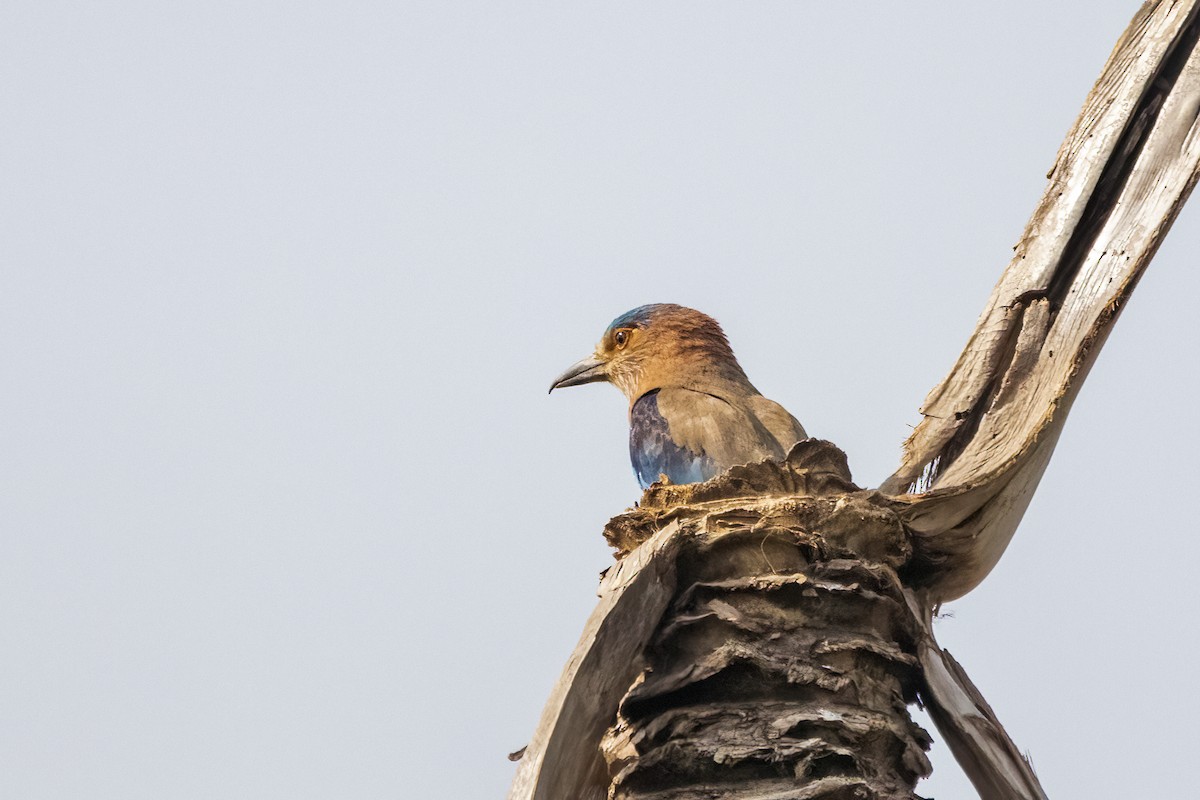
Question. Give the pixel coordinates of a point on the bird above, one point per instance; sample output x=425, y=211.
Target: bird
x=693, y=413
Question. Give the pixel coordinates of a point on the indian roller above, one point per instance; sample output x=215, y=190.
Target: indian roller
x=693, y=413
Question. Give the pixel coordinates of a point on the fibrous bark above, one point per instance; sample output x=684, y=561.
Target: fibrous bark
x=784, y=667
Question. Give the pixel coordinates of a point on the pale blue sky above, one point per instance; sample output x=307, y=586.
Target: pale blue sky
x=287, y=512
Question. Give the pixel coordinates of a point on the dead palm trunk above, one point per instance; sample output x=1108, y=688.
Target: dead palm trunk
x=785, y=662
x=762, y=633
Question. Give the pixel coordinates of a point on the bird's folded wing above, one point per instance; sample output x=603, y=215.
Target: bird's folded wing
x=725, y=430
x=786, y=429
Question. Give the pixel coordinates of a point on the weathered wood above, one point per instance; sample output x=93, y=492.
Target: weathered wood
x=1122, y=175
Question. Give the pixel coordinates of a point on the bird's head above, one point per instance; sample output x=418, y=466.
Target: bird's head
x=654, y=347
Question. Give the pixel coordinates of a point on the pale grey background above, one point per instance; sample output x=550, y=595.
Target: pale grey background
x=286, y=511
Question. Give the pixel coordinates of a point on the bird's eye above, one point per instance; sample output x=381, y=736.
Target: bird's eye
x=621, y=338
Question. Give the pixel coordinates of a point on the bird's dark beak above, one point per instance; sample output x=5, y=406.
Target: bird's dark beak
x=588, y=370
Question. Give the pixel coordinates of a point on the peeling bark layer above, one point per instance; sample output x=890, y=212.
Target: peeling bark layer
x=1122, y=175
x=563, y=760
x=971, y=730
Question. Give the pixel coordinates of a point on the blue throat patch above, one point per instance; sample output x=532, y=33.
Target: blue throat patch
x=653, y=451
